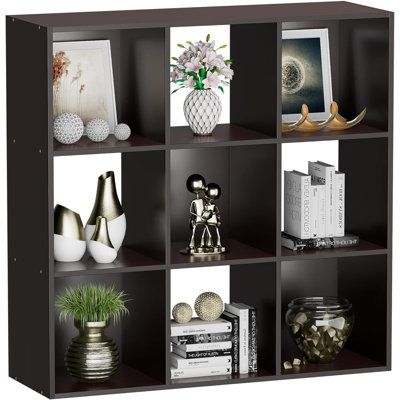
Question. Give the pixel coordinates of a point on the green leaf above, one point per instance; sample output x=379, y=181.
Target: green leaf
x=208, y=38
x=173, y=65
x=179, y=88
x=203, y=73
x=180, y=80
x=228, y=62
x=189, y=42
x=224, y=46
x=181, y=46
x=221, y=89
x=174, y=58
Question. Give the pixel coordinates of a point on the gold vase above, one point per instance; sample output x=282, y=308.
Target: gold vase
x=92, y=356
x=107, y=205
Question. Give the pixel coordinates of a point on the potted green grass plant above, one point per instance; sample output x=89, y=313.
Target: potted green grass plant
x=92, y=356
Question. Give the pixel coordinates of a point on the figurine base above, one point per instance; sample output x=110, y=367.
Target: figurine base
x=198, y=251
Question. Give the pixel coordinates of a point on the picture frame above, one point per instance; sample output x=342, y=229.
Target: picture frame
x=83, y=81
x=306, y=74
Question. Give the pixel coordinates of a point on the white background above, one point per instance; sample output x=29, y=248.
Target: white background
x=366, y=386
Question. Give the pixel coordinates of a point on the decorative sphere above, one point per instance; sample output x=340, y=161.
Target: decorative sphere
x=68, y=128
x=97, y=130
x=209, y=306
x=213, y=191
x=195, y=183
x=182, y=313
x=122, y=131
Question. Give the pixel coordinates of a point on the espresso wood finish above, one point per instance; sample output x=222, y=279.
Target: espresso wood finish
x=243, y=156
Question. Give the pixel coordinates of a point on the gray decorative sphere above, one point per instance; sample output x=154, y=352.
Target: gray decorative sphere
x=68, y=128
x=195, y=183
x=182, y=313
x=97, y=130
x=122, y=131
x=209, y=306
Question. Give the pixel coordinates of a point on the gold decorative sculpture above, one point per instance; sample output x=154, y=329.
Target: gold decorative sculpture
x=334, y=122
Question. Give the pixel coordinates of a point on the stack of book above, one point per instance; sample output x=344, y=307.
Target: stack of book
x=210, y=348
x=314, y=208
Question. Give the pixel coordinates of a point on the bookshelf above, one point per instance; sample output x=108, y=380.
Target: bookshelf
x=243, y=156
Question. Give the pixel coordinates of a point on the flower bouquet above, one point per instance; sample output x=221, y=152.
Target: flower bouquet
x=202, y=69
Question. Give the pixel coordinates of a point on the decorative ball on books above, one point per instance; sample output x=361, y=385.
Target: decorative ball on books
x=122, y=132
x=209, y=306
x=97, y=130
x=182, y=313
x=196, y=184
x=68, y=128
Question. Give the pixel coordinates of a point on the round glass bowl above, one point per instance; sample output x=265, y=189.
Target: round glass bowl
x=320, y=326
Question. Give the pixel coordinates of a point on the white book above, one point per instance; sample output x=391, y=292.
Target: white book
x=243, y=315
x=183, y=363
x=200, y=371
x=197, y=326
x=314, y=211
x=339, y=196
x=297, y=204
x=205, y=346
x=325, y=173
x=321, y=209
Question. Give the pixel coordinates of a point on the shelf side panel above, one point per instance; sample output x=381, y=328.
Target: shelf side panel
x=254, y=104
x=29, y=205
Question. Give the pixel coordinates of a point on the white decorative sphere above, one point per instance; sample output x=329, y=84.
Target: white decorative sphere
x=182, y=313
x=122, y=131
x=68, y=128
x=209, y=306
x=97, y=130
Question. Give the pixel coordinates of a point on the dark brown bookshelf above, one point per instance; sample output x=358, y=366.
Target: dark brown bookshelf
x=244, y=157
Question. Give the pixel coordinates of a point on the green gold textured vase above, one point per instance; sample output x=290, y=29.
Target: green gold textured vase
x=92, y=356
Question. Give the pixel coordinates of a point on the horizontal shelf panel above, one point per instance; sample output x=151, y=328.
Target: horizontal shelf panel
x=261, y=375
x=238, y=253
x=364, y=248
x=110, y=145
x=223, y=135
x=360, y=131
x=128, y=260
x=126, y=377
x=345, y=362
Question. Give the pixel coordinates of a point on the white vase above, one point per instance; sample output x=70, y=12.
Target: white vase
x=100, y=246
x=107, y=205
x=202, y=109
x=69, y=238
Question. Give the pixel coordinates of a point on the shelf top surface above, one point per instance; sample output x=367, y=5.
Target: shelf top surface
x=207, y=15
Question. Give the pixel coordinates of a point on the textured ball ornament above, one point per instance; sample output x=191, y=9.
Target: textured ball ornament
x=122, y=131
x=97, y=130
x=182, y=313
x=68, y=128
x=209, y=306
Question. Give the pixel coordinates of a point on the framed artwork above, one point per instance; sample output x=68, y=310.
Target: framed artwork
x=83, y=80
x=306, y=74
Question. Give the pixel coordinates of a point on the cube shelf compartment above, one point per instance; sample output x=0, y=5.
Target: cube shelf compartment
x=244, y=156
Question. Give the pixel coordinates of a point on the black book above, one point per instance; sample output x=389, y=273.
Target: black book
x=200, y=354
x=234, y=320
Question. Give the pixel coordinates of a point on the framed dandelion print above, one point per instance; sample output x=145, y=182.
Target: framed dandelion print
x=83, y=80
x=306, y=73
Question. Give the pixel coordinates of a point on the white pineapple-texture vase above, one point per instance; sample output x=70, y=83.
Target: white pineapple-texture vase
x=202, y=109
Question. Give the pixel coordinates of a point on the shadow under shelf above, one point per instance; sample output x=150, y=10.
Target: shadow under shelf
x=128, y=260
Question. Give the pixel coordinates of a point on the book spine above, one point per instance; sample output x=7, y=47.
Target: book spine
x=297, y=205
x=184, y=330
x=205, y=346
x=202, y=338
x=179, y=362
x=252, y=340
x=198, y=372
x=314, y=212
x=200, y=354
x=321, y=211
x=234, y=319
x=339, y=196
x=243, y=336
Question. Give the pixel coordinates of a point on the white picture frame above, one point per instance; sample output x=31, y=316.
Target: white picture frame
x=83, y=81
x=301, y=45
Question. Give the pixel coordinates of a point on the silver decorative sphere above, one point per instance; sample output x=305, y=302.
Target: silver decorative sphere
x=97, y=130
x=182, y=313
x=122, y=131
x=209, y=306
x=195, y=183
x=213, y=191
x=68, y=128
